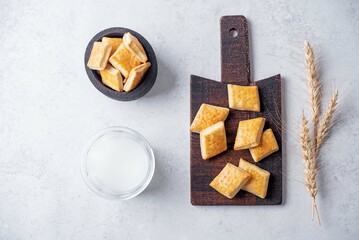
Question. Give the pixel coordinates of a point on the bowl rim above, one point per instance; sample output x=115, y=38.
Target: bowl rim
x=148, y=80
x=150, y=171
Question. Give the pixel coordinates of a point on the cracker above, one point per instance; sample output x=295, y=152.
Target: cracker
x=136, y=76
x=114, y=42
x=134, y=46
x=249, y=133
x=230, y=180
x=124, y=61
x=213, y=140
x=243, y=97
x=99, y=56
x=267, y=145
x=259, y=179
x=112, y=78
x=208, y=115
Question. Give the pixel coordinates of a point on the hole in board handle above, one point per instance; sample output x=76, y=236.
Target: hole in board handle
x=233, y=32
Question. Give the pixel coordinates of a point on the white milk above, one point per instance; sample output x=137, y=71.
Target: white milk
x=117, y=162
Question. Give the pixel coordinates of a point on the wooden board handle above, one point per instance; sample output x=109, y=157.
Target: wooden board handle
x=235, y=50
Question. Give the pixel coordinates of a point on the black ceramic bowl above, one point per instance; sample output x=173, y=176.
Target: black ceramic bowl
x=147, y=81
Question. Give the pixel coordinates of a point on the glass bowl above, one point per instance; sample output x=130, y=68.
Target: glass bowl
x=117, y=163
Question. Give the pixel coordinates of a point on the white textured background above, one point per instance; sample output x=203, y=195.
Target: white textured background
x=49, y=108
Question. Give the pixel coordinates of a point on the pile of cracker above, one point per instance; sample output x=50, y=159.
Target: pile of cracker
x=209, y=123
x=121, y=62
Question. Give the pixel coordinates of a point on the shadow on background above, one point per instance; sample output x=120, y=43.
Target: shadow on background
x=158, y=181
x=165, y=82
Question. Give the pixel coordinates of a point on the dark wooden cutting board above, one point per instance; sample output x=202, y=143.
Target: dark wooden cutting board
x=235, y=70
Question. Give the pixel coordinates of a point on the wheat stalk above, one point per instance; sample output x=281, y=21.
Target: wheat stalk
x=310, y=149
x=310, y=165
x=326, y=121
x=314, y=99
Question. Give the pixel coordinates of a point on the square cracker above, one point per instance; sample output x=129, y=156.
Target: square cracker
x=249, y=133
x=124, y=61
x=134, y=46
x=114, y=42
x=99, y=56
x=136, y=76
x=243, y=97
x=112, y=78
x=230, y=180
x=208, y=115
x=267, y=146
x=213, y=140
x=259, y=178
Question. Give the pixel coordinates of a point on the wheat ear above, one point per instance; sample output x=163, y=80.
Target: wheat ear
x=310, y=165
x=326, y=121
x=314, y=88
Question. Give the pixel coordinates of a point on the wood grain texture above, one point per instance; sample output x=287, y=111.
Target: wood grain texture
x=214, y=92
x=235, y=62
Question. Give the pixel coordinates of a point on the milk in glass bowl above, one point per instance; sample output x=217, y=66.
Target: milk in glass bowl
x=117, y=163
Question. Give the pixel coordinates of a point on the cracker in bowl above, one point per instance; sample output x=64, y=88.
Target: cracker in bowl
x=112, y=78
x=114, y=42
x=134, y=46
x=136, y=76
x=124, y=60
x=99, y=56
